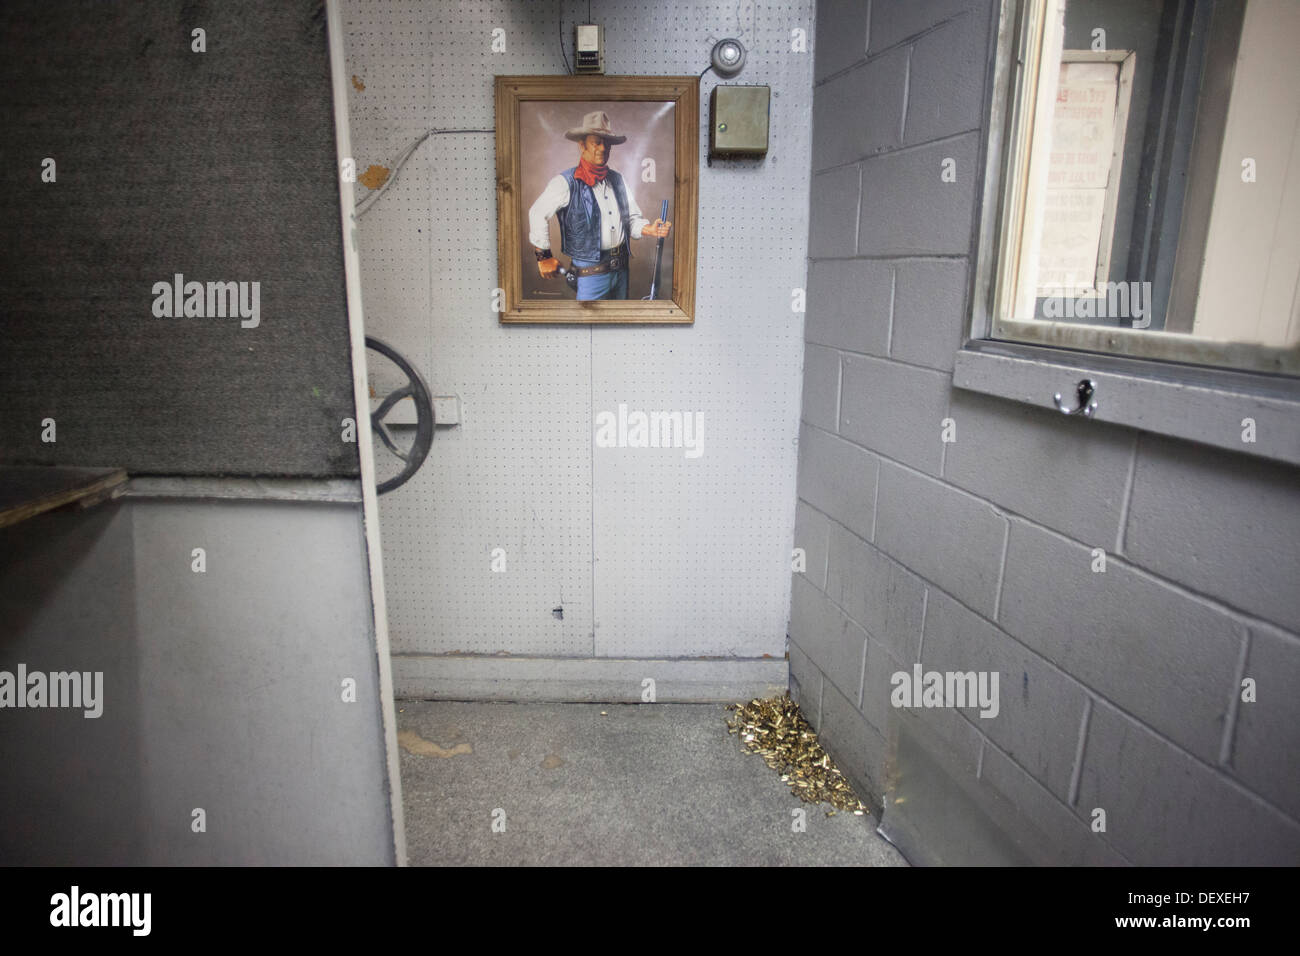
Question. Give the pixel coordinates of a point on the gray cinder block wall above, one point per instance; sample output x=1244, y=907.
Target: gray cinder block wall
x=1119, y=691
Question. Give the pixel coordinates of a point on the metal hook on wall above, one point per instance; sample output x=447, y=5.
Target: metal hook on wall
x=1083, y=392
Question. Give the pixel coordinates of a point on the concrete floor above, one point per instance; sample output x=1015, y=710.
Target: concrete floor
x=644, y=784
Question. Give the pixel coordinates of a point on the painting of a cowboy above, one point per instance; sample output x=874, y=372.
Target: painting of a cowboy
x=596, y=210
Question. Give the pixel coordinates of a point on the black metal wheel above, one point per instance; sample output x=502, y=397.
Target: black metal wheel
x=418, y=391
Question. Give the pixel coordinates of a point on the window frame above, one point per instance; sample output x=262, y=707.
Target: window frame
x=1143, y=379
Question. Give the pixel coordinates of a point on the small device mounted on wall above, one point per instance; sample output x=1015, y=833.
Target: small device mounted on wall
x=727, y=58
x=738, y=120
x=589, y=48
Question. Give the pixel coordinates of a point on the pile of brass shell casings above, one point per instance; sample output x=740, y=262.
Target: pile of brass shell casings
x=776, y=731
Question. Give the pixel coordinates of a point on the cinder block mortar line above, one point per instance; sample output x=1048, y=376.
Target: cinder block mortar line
x=893, y=297
x=907, y=83
x=826, y=559
x=946, y=375
x=862, y=627
x=1105, y=838
x=910, y=148
x=986, y=742
x=1091, y=694
x=1228, y=778
x=1234, y=704
x=867, y=39
x=1095, y=695
x=1241, y=615
x=875, y=511
x=1213, y=603
x=1053, y=666
x=821, y=690
x=899, y=257
x=857, y=212
x=862, y=669
x=1070, y=808
x=1002, y=568
x=925, y=608
x=943, y=445
x=905, y=41
x=802, y=688
x=883, y=457
x=1122, y=532
x=839, y=387
x=861, y=63
x=1076, y=774
x=829, y=517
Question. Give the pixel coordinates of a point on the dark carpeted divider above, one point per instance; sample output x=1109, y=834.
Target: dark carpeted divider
x=219, y=166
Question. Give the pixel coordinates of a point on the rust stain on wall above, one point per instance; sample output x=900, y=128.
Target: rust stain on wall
x=356, y=82
x=374, y=177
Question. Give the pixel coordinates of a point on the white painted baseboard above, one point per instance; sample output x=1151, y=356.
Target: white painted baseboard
x=613, y=680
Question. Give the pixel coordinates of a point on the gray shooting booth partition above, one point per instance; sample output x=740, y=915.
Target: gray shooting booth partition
x=193, y=649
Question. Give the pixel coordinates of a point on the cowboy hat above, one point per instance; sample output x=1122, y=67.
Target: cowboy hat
x=595, y=124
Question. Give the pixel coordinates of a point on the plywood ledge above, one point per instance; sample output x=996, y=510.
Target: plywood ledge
x=29, y=490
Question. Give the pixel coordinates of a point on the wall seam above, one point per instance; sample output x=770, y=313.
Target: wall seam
x=1127, y=500
x=1002, y=568
x=821, y=691
x=1234, y=704
x=888, y=151
x=944, y=374
x=1076, y=774
x=1182, y=590
x=1090, y=692
x=893, y=297
x=1052, y=797
x=875, y=505
x=862, y=669
x=1211, y=602
x=907, y=84
x=839, y=386
x=896, y=257
x=857, y=213
x=883, y=51
x=925, y=610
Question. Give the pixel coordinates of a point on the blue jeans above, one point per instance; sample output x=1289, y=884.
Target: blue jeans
x=609, y=285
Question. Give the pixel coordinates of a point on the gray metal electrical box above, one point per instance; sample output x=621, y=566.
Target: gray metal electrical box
x=738, y=120
x=589, y=48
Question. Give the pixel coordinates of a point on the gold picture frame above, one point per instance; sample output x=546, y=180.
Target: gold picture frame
x=533, y=114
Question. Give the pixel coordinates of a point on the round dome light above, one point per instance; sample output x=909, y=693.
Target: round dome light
x=728, y=57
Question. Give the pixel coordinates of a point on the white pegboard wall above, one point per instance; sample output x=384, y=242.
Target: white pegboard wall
x=650, y=554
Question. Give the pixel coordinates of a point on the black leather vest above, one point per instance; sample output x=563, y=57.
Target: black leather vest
x=580, y=219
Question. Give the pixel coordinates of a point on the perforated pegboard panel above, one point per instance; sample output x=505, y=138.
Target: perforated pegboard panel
x=649, y=553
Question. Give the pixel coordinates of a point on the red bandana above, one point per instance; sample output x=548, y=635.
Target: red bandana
x=589, y=173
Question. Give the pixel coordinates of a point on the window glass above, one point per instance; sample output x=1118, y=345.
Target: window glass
x=1154, y=181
